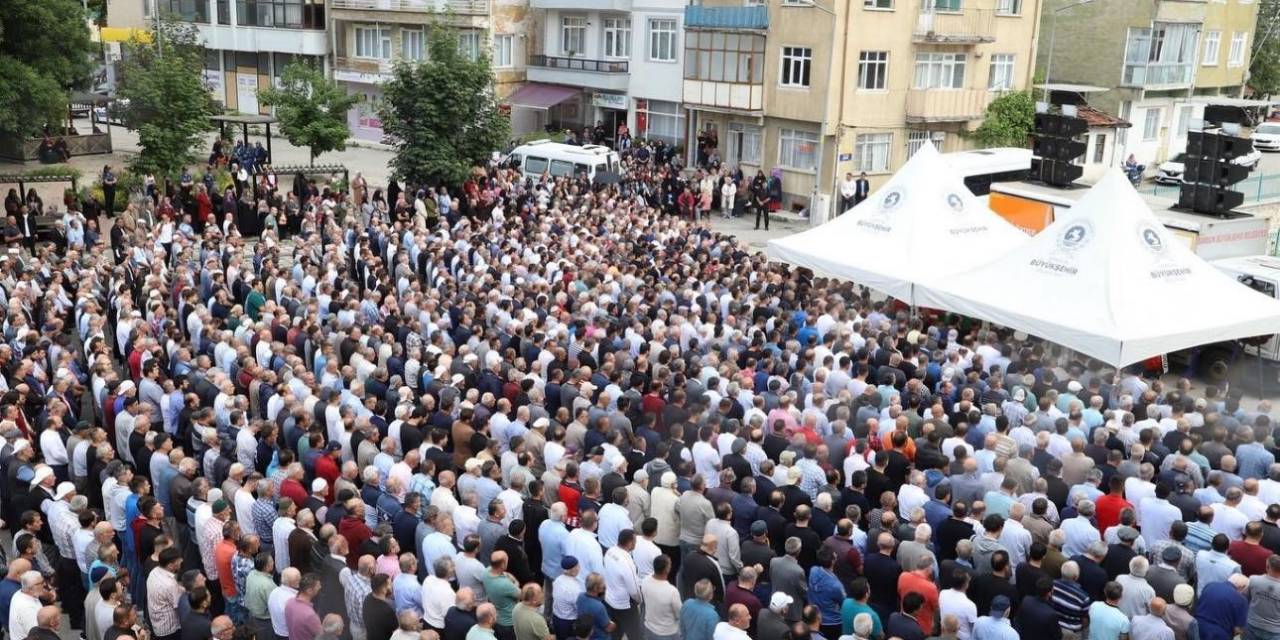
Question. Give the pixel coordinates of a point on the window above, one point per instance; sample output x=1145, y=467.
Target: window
x=944, y=5
x=1099, y=148
x=1008, y=7
x=617, y=37
x=871, y=152
x=939, y=71
x=659, y=120
x=535, y=165
x=724, y=57
x=798, y=149
x=750, y=151
x=469, y=44
x=503, y=50
x=1184, y=120
x=573, y=34
x=1151, y=126
x=373, y=42
x=1001, y=72
x=413, y=44
x=1236, y=56
x=562, y=168
x=916, y=140
x=1212, y=44
x=662, y=40
x=1162, y=55
x=877, y=4
x=795, y=66
x=873, y=70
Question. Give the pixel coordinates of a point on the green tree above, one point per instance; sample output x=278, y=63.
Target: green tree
x=169, y=104
x=1264, y=64
x=45, y=52
x=312, y=109
x=442, y=113
x=1008, y=121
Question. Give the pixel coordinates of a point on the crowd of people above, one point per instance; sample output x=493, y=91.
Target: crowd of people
x=532, y=408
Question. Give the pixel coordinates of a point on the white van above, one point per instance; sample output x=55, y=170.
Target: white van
x=563, y=160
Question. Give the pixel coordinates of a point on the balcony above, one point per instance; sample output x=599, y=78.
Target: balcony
x=726, y=96
x=947, y=105
x=361, y=70
x=460, y=7
x=1159, y=75
x=937, y=24
x=610, y=75
x=583, y=5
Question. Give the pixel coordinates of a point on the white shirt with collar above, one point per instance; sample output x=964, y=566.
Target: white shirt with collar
x=276, y=601
x=621, y=580
x=726, y=631
x=644, y=554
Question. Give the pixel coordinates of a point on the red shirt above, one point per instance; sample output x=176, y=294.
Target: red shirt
x=328, y=469
x=1252, y=557
x=293, y=490
x=223, y=553
x=910, y=581
x=356, y=533
x=1108, y=512
x=570, y=494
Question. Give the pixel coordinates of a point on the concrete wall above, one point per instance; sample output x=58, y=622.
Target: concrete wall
x=1226, y=18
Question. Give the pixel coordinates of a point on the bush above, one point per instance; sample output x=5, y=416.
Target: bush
x=56, y=170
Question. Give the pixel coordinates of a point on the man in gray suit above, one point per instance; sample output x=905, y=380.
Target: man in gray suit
x=788, y=577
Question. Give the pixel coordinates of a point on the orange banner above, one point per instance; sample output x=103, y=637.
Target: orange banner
x=1031, y=216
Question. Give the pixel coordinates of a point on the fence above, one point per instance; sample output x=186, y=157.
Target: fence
x=1255, y=188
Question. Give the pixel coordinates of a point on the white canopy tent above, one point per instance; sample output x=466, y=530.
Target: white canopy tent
x=1109, y=281
x=923, y=221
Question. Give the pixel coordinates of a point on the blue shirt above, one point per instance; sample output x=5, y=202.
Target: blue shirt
x=551, y=535
x=1220, y=610
x=826, y=593
x=8, y=587
x=989, y=628
x=407, y=592
x=593, y=610
x=698, y=620
x=1105, y=622
x=1253, y=459
x=164, y=478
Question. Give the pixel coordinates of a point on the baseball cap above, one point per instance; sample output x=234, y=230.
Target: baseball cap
x=568, y=562
x=780, y=600
x=759, y=528
x=333, y=446
x=63, y=489
x=42, y=473
x=1000, y=604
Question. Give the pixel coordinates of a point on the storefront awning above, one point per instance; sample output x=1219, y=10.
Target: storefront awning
x=536, y=95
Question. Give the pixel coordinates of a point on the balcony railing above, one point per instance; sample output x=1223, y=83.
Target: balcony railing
x=361, y=65
x=1159, y=74
x=579, y=64
x=937, y=23
x=461, y=7
x=947, y=105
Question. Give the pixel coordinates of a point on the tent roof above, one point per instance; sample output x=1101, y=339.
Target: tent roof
x=1108, y=281
x=923, y=221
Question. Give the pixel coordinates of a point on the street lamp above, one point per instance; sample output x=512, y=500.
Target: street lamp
x=1053, y=36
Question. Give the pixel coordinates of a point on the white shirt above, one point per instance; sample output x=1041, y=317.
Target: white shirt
x=726, y=631
x=1157, y=518
x=644, y=554
x=55, y=451
x=613, y=519
x=1228, y=520
x=437, y=597
x=280, y=596
x=22, y=614
x=244, y=511
x=582, y=544
x=909, y=498
x=706, y=461
x=564, y=597
x=956, y=603
x=280, y=531
x=621, y=581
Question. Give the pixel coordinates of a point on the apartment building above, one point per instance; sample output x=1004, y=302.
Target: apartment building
x=370, y=36
x=248, y=43
x=1161, y=62
x=612, y=62
x=818, y=89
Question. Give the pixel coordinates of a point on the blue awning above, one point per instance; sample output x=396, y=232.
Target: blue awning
x=702, y=17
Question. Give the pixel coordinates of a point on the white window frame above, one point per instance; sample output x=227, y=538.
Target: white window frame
x=1183, y=122
x=878, y=5
x=752, y=151
x=504, y=50
x=1239, y=40
x=789, y=153
x=664, y=35
x=917, y=137
x=1212, y=49
x=873, y=152
x=669, y=113
x=469, y=44
x=616, y=40
x=377, y=37
x=868, y=64
x=947, y=68
x=573, y=28
x=421, y=36
x=795, y=68
x=1008, y=7
x=1099, y=148
x=1002, y=68
x=1150, y=125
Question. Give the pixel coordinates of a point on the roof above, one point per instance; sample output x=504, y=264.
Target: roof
x=1097, y=118
x=248, y=118
x=536, y=95
x=700, y=17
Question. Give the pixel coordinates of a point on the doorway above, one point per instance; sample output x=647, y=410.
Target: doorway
x=612, y=118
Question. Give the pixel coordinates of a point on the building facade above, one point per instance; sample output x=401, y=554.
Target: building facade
x=612, y=62
x=1162, y=61
x=370, y=36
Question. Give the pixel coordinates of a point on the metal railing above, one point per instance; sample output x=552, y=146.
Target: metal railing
x=1256, y=188
x=579, y=64
x=1158, y=74
x=361, y=65
x=939, y=23
x=947, y=105
x=463, y=7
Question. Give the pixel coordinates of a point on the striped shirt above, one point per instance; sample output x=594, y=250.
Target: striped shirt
x=355, y=589
x=1199, y=536
x=1072, y=604
x=163, y=592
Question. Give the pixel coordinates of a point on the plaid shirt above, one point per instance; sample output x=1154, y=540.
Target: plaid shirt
x=1186, y=564
x=241, y=566
x=209, y=538
x=264, y=515
x=355, y=589
x=422, y=485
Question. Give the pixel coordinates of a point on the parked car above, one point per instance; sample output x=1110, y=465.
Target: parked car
x=1266, y=137
x=1171, y=172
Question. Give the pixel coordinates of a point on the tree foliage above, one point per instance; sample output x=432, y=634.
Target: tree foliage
x=45, y=52
x=1008, y=121
x=169, y=104
x=312, y=109
x=442, y=113
x=1264, y=65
